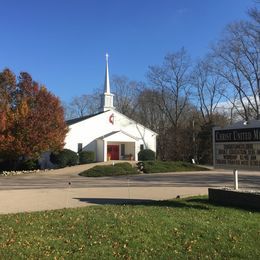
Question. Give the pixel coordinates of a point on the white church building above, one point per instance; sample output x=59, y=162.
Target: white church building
x=109, y=134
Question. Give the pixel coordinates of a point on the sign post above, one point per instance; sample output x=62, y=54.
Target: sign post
x=235, y=171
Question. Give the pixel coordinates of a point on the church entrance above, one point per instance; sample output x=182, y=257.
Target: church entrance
x=113, y=152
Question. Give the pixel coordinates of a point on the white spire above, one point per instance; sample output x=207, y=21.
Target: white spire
x=107, y=97
x=107, y=83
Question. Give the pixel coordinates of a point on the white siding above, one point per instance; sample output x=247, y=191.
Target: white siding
x=89, y=130
x=100, y=151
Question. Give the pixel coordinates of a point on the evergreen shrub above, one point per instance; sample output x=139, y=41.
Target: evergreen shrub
x=64, y=158
x=29, y=165
x=5, y=165
x=86, y=157
x=110, y=170
x=146, y=155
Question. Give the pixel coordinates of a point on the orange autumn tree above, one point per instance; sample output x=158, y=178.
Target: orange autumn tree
x=7, y=91
x=31, y=118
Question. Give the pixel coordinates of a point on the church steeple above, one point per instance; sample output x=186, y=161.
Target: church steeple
x=107, y=97
x=107, y=83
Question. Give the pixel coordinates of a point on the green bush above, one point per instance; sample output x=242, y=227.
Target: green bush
x=86, y=157
x=110, y=170
x=64, y=158
x=6, y=165
x=168, y=166
x=29, y=165
x=146, y=155
x=19, y=165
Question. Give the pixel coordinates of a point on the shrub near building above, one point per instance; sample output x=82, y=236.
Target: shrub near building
x=146, y=155
x=110, y=170
x=86, y=157
x=168, y=166
x=64, y=158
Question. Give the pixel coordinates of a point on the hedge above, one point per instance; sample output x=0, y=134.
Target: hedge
x=168, y=166
x=146, y=155
x=86, y=157
x=110, y=170
x=19, y=165
x=64, y=158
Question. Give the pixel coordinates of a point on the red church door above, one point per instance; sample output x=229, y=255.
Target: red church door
x=113, y=152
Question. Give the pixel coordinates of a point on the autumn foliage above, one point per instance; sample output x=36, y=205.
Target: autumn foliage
x=31, y=118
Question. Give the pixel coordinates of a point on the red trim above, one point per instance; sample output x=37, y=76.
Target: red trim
x=111, y=119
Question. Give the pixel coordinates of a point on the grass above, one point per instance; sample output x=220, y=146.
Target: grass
x=148, y=167
x=178, y=229
x=170, y=166
x=110, y=170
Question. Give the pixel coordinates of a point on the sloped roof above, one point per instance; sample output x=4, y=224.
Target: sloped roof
x=109, y=134
x=241, y=124
x=115, y=132
x=79, y=119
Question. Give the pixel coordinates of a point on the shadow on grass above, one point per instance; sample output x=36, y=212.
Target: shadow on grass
x=230, y=206
x=164, y=203
x=198, y=200
x=218, y=205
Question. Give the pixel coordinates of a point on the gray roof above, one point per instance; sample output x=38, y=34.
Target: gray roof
x=79, y=119
x=115, y=132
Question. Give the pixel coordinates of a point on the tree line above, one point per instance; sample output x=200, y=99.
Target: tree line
x=183, y=99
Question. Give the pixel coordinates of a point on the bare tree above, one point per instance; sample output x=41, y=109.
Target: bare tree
x=83, y=105
x=80, y=105
x=173, y=81
x=149, y=113
x=126, y=94
x=254, y=13
x=237, y=60
x=209, y=88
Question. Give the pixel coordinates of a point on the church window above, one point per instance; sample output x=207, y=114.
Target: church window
x=122, y=149
x=80, y=146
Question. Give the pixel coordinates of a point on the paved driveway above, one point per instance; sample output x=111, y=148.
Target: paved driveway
x=65, y=188
x=59, y=179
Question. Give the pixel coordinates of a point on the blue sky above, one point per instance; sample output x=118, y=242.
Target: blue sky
x=62, y=43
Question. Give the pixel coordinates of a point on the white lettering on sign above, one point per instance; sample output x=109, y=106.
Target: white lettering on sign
x=237, y=155
x=237, y=147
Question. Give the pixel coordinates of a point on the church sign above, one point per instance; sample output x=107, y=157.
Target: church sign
x=237, y=146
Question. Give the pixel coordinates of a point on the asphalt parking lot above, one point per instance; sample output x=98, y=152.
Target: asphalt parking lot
x=64, y=188
x=55, y=180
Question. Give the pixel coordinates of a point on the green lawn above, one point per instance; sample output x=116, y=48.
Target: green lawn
x=110, y=170
x=169, y=166
x=146, y=166
x=177, y=229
